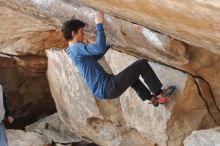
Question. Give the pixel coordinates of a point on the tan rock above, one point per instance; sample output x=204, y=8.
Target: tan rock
x=126, y=36
x=195, y=22
x=23, y=34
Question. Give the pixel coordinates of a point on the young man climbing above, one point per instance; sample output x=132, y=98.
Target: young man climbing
x=101, y=84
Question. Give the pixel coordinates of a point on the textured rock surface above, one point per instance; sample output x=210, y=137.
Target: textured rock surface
x=46, y=132
x=30, y=36
x=138, y=40
x=22, y=138
x=90, y=117
x=193, y=21
x=54, y=129
x=180, y=112
x=209, y=137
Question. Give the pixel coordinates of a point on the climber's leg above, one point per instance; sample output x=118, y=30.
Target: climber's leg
x=117, y=84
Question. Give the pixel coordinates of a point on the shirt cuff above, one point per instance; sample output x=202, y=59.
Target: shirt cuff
x=99, y=26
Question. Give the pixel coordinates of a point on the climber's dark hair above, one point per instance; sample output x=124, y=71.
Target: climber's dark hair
x=70, y=26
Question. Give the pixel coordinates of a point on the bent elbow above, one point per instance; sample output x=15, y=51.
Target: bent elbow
x=102, y=48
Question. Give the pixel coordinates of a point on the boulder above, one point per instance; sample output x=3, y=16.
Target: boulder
x=208, y=137
x=103, y=121
x=100, y=121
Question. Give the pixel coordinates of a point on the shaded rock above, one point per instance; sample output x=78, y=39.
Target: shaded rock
x=36, y=64
x=22, y=138
x=209, y=137
x=205, y=64
x=28, y=92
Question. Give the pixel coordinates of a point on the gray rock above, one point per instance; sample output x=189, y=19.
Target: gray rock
x=209, y=137
x=54, y=129
x=22, y=138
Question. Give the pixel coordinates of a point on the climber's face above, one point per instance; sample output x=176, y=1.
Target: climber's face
x=79, y=35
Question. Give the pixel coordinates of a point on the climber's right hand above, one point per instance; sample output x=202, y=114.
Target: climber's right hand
x=99, y=19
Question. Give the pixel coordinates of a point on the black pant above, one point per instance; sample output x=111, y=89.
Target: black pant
x=117, y=84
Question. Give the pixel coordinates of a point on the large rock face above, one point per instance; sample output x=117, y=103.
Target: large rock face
x=45, y=19
x=183, y=35
x=103, y=121
x=193, y=21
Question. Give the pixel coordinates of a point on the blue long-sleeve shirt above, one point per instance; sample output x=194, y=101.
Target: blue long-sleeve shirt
x=85, y=57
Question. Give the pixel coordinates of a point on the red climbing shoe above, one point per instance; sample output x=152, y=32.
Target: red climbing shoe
x=156, y=101
x=163, y=100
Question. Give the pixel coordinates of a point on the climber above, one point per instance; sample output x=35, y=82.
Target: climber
x=4, y=112
x=103, y=85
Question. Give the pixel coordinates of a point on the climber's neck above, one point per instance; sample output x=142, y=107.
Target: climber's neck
x=74, y=41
